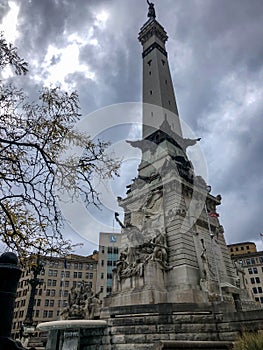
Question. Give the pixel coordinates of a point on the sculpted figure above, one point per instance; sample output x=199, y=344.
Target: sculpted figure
x=151, y=12
x=204, y=261
x=240, y=280
x=160, y=247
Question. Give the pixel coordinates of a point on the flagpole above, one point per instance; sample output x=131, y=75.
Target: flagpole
x=213, y=253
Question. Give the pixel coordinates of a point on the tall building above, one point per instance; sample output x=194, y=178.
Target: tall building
x=57, y=277
x=245, y=254
x=241, y=248
x=109, y=244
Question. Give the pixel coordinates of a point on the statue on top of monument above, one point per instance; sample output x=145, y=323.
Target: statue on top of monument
x=151, y=12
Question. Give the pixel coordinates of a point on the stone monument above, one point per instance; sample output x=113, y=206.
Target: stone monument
x=173, y=246
x=174, y=285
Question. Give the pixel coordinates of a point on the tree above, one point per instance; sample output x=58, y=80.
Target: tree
x=33, y=138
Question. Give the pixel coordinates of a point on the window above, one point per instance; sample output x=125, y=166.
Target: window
x=45, y=314
x=231, y=249
x=54, y=283
x=74, y=284
x=109, y=275
x=79, y=274
x=252, y=280
x=40, y=291
x=102, y=275
x=253, y=261
x=242, y=248
x=250, y=270
x=91, y=275
x=109, y=263
x=109, y=250
x=248, y=262
x=257, y=298
x=255, y=270
x=151, y=92
x=115, y=250
x=102, y=262
x=51, y=303
x=76, y=265
x=255, y=291
x=80, y=266
x=261, y=300
x=53, y=292
x=49, y=282
x=66, y=283
x=261, y=259
x=47, y=302
x=75, y=274
x=257, y=279
x=38, y=302
x=150, y=73
x=48, y=292
x=67, y=274
x=236, y=249
x=108, y=290
x=65, y=293
x=247, y=247
x=50, y=313
x=260, y=289
x=59, y=303
x=37, y=313
x=101, y=289
x=102, y=249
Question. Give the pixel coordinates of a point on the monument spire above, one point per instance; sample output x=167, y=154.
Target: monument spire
x=159, y=101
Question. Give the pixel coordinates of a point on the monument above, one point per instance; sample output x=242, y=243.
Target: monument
x=174, y=286
x=173, y=246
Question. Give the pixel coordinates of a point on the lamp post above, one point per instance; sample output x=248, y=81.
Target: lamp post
x=9, y=277
x=36, y=268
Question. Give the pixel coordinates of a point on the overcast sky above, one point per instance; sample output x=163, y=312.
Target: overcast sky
x=215, y=52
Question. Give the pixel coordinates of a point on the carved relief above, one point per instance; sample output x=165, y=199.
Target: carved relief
x=83, y=303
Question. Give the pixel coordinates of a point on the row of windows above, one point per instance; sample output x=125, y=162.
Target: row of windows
x=253, y=270
x=64, y=264
x=110, y=250
x=252, y=261
x=241, y=248
x=259, y=299
x=254, y=280
x=109, y=262
x=257, y=290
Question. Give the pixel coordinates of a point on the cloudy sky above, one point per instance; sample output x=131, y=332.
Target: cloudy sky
x=216, y=60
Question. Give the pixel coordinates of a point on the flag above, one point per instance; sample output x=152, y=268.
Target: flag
x=213, y=215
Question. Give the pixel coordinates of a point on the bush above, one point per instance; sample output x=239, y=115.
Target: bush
x=249, y=341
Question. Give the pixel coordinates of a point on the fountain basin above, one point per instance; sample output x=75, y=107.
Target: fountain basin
x=72, y=334
x=70, y=324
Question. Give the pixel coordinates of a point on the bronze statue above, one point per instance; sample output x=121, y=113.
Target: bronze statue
x=151, y=12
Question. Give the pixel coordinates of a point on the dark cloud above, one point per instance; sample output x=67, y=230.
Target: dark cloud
x=215, y=53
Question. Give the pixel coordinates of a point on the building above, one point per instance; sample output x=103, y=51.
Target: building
x=241, y=248
x=57, y=277
x=109, y=244
x=245, y=254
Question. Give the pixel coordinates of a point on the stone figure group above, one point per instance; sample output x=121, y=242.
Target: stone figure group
x=133, y=259
x=83, y=303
